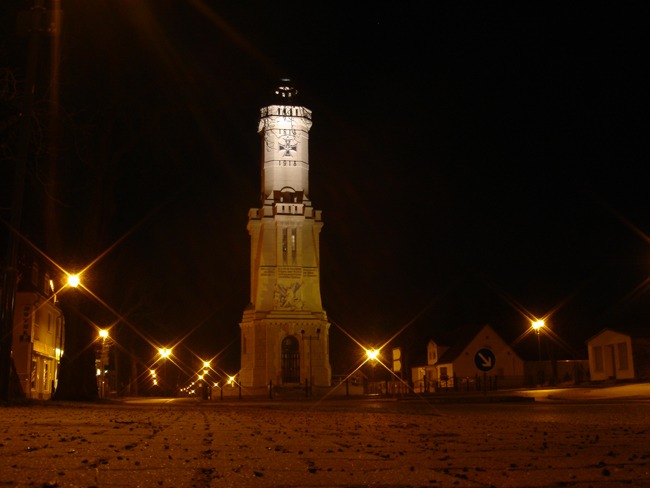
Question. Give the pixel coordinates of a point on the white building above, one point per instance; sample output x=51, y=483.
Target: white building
x=616, y=355
x=38, y=333
x=284, y=329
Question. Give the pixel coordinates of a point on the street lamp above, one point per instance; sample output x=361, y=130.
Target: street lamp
x=164, y=355
x=73, y=280
x=103, y=360
x=537, y=326
x=372, y=354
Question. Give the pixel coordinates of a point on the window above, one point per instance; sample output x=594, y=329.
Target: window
x=598, y=358
x=33, y=374
x=46, y=376
x=444, y=376
x=284, y=245
x=622, y=355
x=58, y=330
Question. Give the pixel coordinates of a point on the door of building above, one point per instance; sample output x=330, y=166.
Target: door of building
x=290, y=360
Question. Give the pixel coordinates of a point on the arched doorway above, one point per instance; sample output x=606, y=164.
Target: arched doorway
x=290, y=360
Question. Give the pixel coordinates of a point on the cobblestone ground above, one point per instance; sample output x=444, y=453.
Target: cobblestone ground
x=248, y=445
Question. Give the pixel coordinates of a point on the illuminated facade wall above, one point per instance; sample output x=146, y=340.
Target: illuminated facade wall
x=506, y=363
x=494, y=355
x=611, y=356
x=284, y=329
x=37, y=344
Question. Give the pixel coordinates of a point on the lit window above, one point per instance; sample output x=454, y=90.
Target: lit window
x=34, y=374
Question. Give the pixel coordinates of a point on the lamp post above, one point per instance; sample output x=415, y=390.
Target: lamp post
x=206, y=381
x=310, y=339
x=372, y=356
x=537, y=327
x=103, y=357
x=164, y=355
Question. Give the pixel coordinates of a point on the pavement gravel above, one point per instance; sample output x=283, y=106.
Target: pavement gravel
x=305, y=444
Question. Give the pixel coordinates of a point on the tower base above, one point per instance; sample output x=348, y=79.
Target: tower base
x=284, y=348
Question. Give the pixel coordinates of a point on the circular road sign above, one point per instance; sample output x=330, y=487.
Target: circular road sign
x=484, y=359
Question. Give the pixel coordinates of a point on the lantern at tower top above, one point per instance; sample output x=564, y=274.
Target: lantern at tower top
x=283, y=101
x=285, y=93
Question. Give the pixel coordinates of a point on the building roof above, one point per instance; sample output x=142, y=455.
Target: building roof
x=462, y=337
x=620, y=330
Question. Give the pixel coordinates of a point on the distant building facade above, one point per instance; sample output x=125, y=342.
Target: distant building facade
x=284, y=329
x=39, y=329
x=474, y=352
x=616, y=355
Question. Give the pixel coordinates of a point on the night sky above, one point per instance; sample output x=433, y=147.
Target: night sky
x=474, y=164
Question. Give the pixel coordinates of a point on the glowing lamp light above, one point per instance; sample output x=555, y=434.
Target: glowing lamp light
x=73, y=281
x=537, y=325
x=372, y=354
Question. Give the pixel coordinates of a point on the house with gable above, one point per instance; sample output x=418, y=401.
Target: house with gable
x=618, y=355
x=466, y=357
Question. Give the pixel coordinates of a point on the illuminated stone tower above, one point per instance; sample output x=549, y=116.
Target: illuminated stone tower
x=284, y=329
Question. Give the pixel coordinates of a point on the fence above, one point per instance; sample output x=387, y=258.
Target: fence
x=388, y=388
x=469, y=384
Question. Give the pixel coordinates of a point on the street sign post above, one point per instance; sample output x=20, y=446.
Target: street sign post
x=484, y=359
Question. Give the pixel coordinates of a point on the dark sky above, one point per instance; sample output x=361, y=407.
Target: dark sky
x=472, y=162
